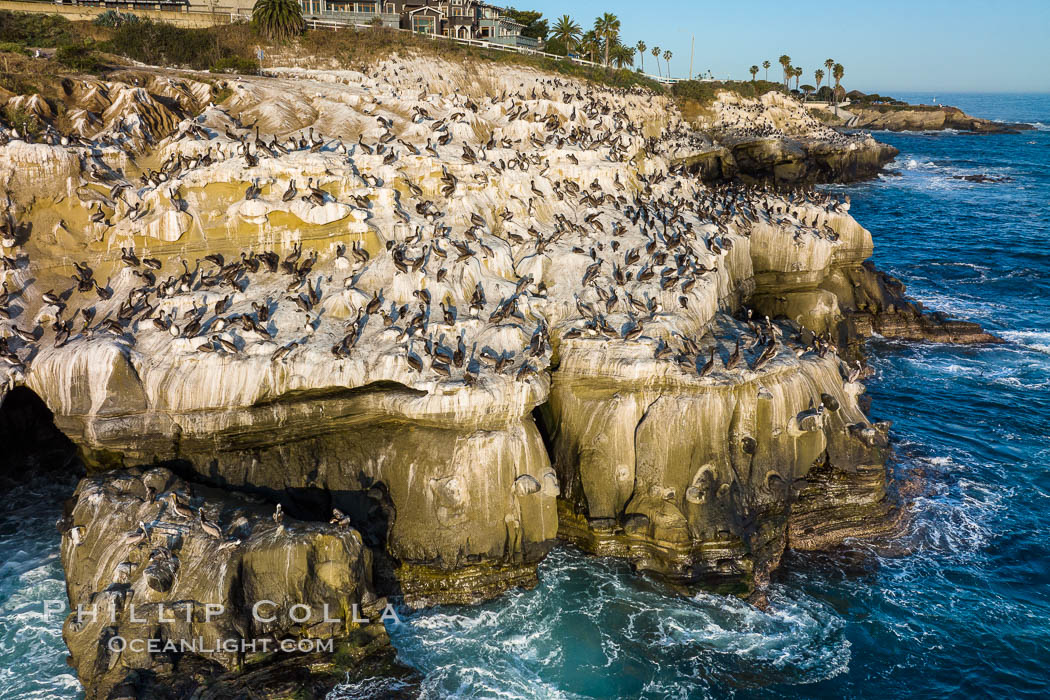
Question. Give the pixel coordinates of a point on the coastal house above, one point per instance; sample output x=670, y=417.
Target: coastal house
x=461, y=19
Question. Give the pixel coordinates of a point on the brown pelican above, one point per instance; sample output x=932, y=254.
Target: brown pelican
x=177, y=508
x=138, y=535
x=340, y=518
x=209, y=528
x=709, y=365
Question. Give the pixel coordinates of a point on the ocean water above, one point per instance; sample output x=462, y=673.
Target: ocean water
x=966, y=612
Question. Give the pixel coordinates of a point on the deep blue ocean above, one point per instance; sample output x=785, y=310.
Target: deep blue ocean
x=966, y=612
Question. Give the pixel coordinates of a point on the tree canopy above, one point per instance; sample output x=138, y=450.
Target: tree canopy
x=535, y=26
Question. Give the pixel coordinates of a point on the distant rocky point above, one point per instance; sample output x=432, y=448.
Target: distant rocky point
x=880, y=113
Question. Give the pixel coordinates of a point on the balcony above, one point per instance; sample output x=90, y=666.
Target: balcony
x=347, y=11
x=526, y=42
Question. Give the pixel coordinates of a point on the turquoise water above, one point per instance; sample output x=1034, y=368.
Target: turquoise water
x=968, y=612
x=32, y=654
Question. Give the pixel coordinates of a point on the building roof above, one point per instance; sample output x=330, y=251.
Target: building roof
x=432, y=8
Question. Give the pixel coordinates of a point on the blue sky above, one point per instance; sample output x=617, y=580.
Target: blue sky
x=916, y=45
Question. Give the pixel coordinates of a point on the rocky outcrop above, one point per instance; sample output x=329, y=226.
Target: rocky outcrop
x=790, y=163
x=459, y=321
x=926, y=118
x=174, y=586
x=875, y=303
x=774, y=140
x=695, y=478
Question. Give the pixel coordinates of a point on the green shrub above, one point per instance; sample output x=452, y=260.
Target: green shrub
x=38, y=30
x=705, y=92
x=113, y=19
x=162, y=44
x=220, y=95
x=79, y=57
x=17, y=84
x=25, y=122
x=12, y=47
x=236, y=64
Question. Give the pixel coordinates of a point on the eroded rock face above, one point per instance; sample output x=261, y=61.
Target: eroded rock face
x=918, y=118
x=349, y=292
x=140, y=568
x=774, y=140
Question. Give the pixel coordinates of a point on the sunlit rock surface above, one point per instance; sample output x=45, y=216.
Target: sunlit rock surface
x=450, y=310
x=773, y=140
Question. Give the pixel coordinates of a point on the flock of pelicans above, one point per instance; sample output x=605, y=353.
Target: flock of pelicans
x=649, y=241
x=754, y=119
x=174, y=516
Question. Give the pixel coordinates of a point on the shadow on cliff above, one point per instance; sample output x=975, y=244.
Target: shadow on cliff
x=32, y=444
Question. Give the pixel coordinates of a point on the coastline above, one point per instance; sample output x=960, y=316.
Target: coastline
x=918, y=118
x=651, y=530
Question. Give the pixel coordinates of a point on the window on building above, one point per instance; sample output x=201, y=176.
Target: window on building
x=390, y=8
x=423, y=24
x=368, y=8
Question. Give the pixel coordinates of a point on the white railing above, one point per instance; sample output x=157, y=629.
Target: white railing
x=481, y=43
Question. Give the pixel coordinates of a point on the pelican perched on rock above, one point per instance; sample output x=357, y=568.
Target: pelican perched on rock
x=138, y=535
x=209, y=528
x=340, y=518
x=177, y=508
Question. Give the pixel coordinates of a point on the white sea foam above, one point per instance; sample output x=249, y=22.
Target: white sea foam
x=369, y=689
x=591, y=619
x=1033, y=340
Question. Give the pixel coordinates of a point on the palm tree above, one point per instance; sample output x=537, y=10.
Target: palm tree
x=797, y=74
x=641, y=53
x=567, y=32
x=766, y=65
x=667, y=58
x=590, y=44
x=837, y=71
x=278, y=19
x=754, y=71
x=828, y=65
x=785, y=63
x=819, y=75
x=607, y=27
x=622, y=56
x=656, y=55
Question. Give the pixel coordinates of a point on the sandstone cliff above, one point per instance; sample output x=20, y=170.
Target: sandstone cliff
x=465, y=312
x=925, y=118
x=773, y=140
